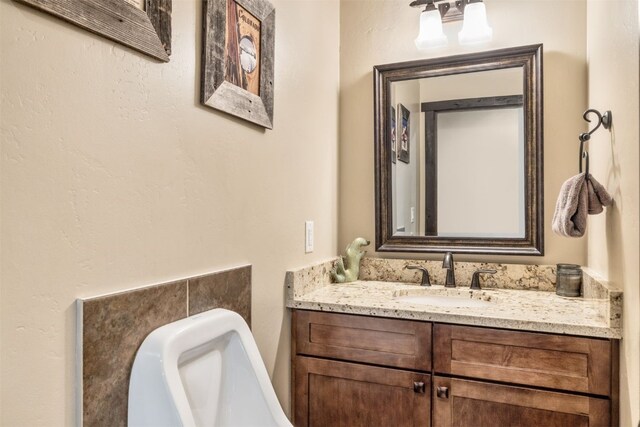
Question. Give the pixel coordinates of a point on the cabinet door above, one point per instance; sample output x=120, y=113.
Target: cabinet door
x=463, y=403
x=331, y=393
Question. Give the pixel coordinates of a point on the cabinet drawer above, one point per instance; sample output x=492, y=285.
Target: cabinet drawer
x=459, y=402
x=553, y=361
x=388, y=342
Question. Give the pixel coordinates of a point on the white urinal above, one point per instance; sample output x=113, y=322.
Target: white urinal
x=204, y=370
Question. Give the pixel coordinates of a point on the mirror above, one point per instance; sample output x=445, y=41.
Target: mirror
x=459, y=153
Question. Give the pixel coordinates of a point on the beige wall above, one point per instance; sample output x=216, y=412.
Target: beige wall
x=612, y=42
x=378, y=32
x=114, y=177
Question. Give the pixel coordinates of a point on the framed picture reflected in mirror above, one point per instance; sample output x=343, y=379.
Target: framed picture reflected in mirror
x=404, y=134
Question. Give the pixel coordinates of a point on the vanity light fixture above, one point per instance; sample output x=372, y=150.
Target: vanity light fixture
x=475, y=28
x=431, y=34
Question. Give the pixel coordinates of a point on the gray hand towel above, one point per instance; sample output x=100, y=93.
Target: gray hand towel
x=579, y=197
x=598, y=196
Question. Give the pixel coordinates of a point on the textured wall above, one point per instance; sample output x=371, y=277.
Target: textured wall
x=612, y=42
x=379, y=32
x=113, y=177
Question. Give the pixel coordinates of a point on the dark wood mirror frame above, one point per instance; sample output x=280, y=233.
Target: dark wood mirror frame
x=529, y=58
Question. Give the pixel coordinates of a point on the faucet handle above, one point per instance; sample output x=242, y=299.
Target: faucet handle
x=475, y=279
x=425, y=274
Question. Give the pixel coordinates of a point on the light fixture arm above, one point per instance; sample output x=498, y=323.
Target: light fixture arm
x=430, y=6
x=450, y=10
x=461, y=4
x=443, y=5
x=444, y=8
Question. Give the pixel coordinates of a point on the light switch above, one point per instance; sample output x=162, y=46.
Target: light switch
x=413, y=214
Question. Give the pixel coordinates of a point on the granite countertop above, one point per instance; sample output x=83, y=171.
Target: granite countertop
x=596, y=315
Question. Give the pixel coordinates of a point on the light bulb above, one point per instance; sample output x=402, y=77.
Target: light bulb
x=475, y=28
x=430, y=35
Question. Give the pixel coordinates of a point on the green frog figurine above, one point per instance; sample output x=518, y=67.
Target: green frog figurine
x=348, y=267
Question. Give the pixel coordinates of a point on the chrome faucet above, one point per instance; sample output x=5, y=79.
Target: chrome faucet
x=448, y=263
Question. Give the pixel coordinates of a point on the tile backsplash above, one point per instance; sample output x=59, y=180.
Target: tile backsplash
x=111, y=328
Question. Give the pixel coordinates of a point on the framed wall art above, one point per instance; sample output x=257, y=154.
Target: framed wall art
x=238, y=58
x=143, y=25
x=404, y=143
x=393, y=139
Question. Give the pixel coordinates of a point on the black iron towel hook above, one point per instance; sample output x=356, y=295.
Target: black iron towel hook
x=603, y=120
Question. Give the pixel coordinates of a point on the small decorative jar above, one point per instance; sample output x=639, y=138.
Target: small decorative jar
x=569, y=280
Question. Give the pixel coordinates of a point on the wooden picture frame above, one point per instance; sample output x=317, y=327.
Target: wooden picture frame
x=404, y=135
x=393, y=137
x=147, y=31
x=237, y=69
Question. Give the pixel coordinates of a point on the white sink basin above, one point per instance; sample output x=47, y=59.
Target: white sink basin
x=444, y=301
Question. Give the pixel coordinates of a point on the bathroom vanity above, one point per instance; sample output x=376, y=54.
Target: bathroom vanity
x=362, y=370
x=365, y=355
x=385, y=351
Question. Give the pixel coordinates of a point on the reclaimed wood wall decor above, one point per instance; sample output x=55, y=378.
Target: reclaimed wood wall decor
x=238, y=39
x=146, y=29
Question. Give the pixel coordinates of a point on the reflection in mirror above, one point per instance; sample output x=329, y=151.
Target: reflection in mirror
x=479, y=160
x=459, y=153
x=467, y=143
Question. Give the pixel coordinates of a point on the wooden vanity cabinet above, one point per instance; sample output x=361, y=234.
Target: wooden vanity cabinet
x=353, y=370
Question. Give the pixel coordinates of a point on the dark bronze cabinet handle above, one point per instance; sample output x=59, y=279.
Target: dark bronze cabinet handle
x=418, y=387
x=442, y=392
